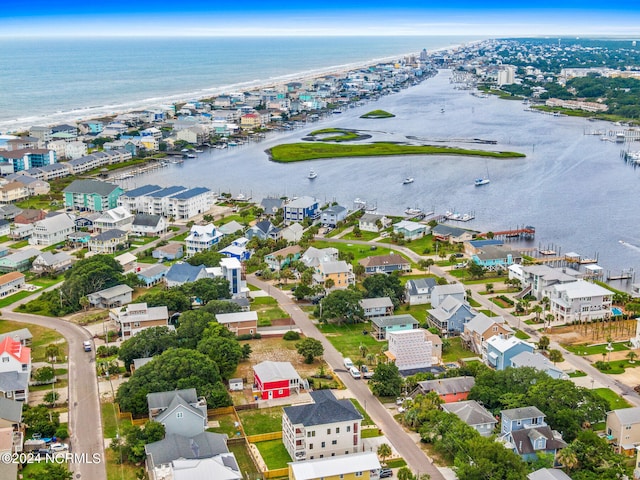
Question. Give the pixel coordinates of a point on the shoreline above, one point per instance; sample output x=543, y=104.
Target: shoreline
x=83, y=114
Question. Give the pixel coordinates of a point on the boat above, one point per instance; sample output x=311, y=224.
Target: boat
x=482, y=180
x=407, y=180
x=412, y=211
x=312, y=174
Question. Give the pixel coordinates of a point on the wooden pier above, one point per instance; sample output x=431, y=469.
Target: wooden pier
x=528, y=232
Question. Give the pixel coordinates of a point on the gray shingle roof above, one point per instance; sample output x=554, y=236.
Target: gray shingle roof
x=325, y=409
x=20, y=335
x=91, y=186
x=470, y=412
x=628, y=416
x=405, y=319
x=146, y=220
x=173, y=447
x=164, y=399
x=109, y=235
x=183, y=272
x=12, y=381
x=522, y=439
x=522, y=413
x=11, y=410
x=420, y=283
x=445, y=386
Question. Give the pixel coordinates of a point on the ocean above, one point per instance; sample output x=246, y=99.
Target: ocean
x=46, y=81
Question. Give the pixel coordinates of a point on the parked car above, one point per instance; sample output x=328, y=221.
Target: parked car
x=386, y=473
x=458, y=255
x=366, y=373
x=58, y=447
x=355, y=373
x=348, y=363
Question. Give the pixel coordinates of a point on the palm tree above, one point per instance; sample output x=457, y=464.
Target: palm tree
x=489, y=287
x=537, y=310
x=632, y=356
x=384, y=451
x=567, y=457
x=371, y=357
x=363, y=350
x=555, y=356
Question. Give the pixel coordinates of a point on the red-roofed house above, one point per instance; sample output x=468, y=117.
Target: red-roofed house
x=250, y=120
x=15, y=369
x=275, y=379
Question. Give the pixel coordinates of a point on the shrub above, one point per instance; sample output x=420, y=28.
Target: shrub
x=248, y=336
x=291, y=335
x=62, y=433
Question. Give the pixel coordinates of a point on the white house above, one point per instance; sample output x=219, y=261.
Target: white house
x=118, y=217
x=410, y=230
x=410, y=349
x=418, y=291
x=202, y=238
x=15, y=369
x=52, y=230
x=10, y=283
x=135, y=317
x=371, y=222
x=580, y=301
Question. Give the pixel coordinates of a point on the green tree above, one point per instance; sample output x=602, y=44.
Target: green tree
x=224, y=351
x=41, y=419
x=405, y=474
x=208, y=258
x=383, y=285
x=52, y=352
x=556, y=356
x=191, y=326
x=50, y=398
x=384, y=451
x=386, y=381
x=342, y=306
x=51, y=471
x=147, y=343
x=632, y=356
x=207, y=289
x=475, y=270
x=174, y=299
x=221, y=306
x=131, y=448
x=544, y=342
x=310, y=348
x=44, y=374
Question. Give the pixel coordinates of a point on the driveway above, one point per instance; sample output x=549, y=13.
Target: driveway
x=398, y=438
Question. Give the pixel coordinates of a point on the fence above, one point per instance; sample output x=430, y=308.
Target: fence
x=263, y=437
x=276, y=473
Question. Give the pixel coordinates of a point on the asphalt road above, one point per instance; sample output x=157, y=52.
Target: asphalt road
x=85, y=427
x=403, y=443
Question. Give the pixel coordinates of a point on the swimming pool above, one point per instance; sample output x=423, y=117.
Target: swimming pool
x=616, y=311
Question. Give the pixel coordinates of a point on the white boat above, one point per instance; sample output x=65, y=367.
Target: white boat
x=482, y=180
x=407, y=180
x=312, y=174
x=412, y=211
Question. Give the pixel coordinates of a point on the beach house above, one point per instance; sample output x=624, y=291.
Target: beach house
x=135, y=317
x=474, y=415
x=202, y=238
x=299, y=209
x=580, y=301
x=418, y=291
x=275, y=379
x=500, y=351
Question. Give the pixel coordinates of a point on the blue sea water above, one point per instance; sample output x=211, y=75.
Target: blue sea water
x=47, y=80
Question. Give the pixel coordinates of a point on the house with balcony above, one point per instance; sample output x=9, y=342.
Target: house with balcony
x=449, y=234
x=525, y=431
x=52, y=262
x=111, y=297
x=231, y=270
x=339, y=272
x=496, y=257
x=362, y=466
x=377, y=307
x=381, y=326
x=580, y=301
x=239, y=323
x=201, y=238
x=450, y=316
x=15, y=369
x=26, y=158
x=92, y=195
x=52, y=230
x=282, y=258
x=10, y=283
x=19, y=261
x=481, y=328
x=371, y=222
x=474, y=415
x=410, y=230
x=623, y=429
x=500, y=351
x=440, y=293
x=450, y=390
x=325, y=428
x=170, y=251
x=181, y=412
x=385, y=264
x=135, y=317
x=12, y=430
x=109, y=241
x=263, y=229
x=332, y=215
x=418, y=291
x=537, y=280
x=146, y=225
x=275, y=379
x=118, y=217
x=299, y=209
x=312, y=257
x=13, y=192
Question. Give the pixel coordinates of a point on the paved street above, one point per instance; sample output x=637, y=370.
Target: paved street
x=401, y=441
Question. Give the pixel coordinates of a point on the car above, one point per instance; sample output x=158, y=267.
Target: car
x=366, y=373
x=348, y=363
x=87, y=345
x=58, y=447
x=458, y=255
x=355, y=373
x=460, y=265
x=385, y=473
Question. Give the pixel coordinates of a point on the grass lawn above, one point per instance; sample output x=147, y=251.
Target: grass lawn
x=227, y=425
x=268, y=310
x=455, y=351
x=20, y=244
x=419, y=312
x=6, y=301
x=618, y=366
x=367, y=419
x=396, y=463
x=584, y=349
x=359, y=251
x=370, y=433
x=348, y=338
x=110, y=422
x=115, y=471
x=615, y=401
x=366, y=236
x=262, y=420
x=41, y=338
x=245, y=462
x=180, y=238
x=46, y=282
x=274, y=454
x=521, y=335
x=577, y=373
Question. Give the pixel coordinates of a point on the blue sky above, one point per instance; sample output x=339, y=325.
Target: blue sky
x=327, y=17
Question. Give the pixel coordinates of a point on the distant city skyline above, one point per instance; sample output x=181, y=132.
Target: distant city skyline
x=331, y=17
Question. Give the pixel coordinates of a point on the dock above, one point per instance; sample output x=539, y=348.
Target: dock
x=527, y=232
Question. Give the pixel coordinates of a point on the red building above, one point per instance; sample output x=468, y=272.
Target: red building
x=448, y=389
x=275, y=379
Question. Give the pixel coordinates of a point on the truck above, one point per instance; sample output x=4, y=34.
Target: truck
x=86, y=345
x=366, y=373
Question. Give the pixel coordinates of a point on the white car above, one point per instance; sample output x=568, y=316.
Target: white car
x=348, y=363
x=59, y=447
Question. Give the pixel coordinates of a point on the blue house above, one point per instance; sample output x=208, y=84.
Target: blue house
x=495, y=257
x=332, y=215
x=263, y=230
x=300, y=209
x=525, y=431
x=153, y=274
x=394, y=323
x=181, y=273
x=500, y=351
x=450, y=316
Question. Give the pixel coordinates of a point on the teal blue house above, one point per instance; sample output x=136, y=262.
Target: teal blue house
x=91, y=195
x=496, y=257
x=394, y=323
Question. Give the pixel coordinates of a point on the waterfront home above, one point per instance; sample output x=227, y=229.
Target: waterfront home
x=283, y=257
x=111, y=297
x=450, y=316
x=380, y=326
x=135, y=317
x=49, y=172
x=271, y=205
x=181, y=412
x=118, y=217
x=201, y=238
x=180, y=273
x=410, y=350
x=52, y=230
x=450, y=390
x=338, y=272
x=20, y=231
x=580, y=301
x=11, y=283
x=418, y=291
x=152, y=275
x=264, y=229
x=92, y=195
x=292, y=233
x=15, y=369
x=446, y=233
x=377, y=307
x=170, y=251
x=275, y=379
x=539, y=362
x=525, y=431
x=313, y=256
x=472, y=247
x=325, y=428
x=439, y=293
x=481, y=328
x=474, y=415
x=13, y=192
x=362, y=466
x=371, y=222
x=410, y=230
x=500, y=351
x=329, y=217
x=146, y=225
x=231, y=227
x=496, y=257
x=299, y=209
x=26, y=158
x=109, y=241
x=385, y=264
x=537, y=280
x=239, y=323
x=19, y=261
x=51, y=262
x=623, y=429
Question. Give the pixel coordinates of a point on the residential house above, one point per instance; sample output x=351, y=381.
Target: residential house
x=579, y=301
x=11, y=425
x=11, y=283
x=33, y=185
x=371, y=222
x=481, y=328
x=500, y=351
x=418, y=291
x=51, y=262
x=5, y=227
x=21, y=232
x=79, y=239
x=446, y=233
x=239, y=323
x=472, y=247
x=85, y=221
x=128, y=261
x=439, y=293
x=292, y=233
x=201, y=238
x=223, y=466
x=450, y=316
x=271, y=205
x=363, y=465
x=109, y=241
x=92, y=195
x=474, y=415
x=230, y=228
x=170, y=251
x=410, y=350
x=410, y=230
x=327, y=427
x=13, y=192
x=380, y=326
x=152, y=275
x=312, y=257
x=181, y=273
x=283, y=257
x=135, y=317
x=29, y=216
x=377, y=307
x=181, y=412
x=548, y=474
x=385, y=264
x=52, y=230
x=329, y=217
x=231, y=270
x=496, y=257
x=15, y=369
x=237, y=249
x=450, y=390
x=339, y=272
x=263, y=229
x=115, y=218
x=111, y=297
x=525, y=431
x=275, y=379
x=539, y=362
x=19, y=261
x=623, y=429
x=299, y=209
x=22, y=335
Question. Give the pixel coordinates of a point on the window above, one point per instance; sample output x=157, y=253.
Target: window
x=179, y=414
x=323, y=445
x=337, y=429
x=328, y=431
x=627, y=427
x=348, y=428
x=334, y=442
x=280, y=392
x=535, y=421
x=5, y=359
x=321, y=456
x=358, y=474
x=311, y=446
x=312, y=433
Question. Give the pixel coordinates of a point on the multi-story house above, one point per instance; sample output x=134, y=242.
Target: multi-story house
x=276, y=379
x=239, y=323
x=359, y=466
x=52, y=230
x=410, y=349
x=500, y=351
x=537, y=280
x=371, y=222
x=450, y=316
x=481, y=328
x=15, y=369
x=381, y=326
x=410, y=230
x=300, y=209
x=418, y=291
x=339, y=272
x=135, y=317
x=283, y=257
x=332, y=215
x=496, y=257
x=328, y=427
x=118, y=217
x=580, y=301
x=181, y=412
x=377, y=307
x=525, y=431
x=202, y=238
x=24, y=159
x=13, y=192
x=312, y=257
x=385, y=264
x=449, y=390
x=175, y=201
x=92, y=195
x=11, y=283
x=108, y=241
x=623, y=429
x=474, y=415
x=439, y=293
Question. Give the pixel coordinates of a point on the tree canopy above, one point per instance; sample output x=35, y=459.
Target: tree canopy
x=386, y=380
x=310, y=348
x=342, y=306
x=383, y=285
x=147, y=343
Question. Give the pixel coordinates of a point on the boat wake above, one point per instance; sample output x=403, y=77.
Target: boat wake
x=629, y=245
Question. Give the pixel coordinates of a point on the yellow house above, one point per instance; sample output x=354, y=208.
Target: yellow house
x=250, y=120
x=357, y=466
x=623, y=429
x=339, y=271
